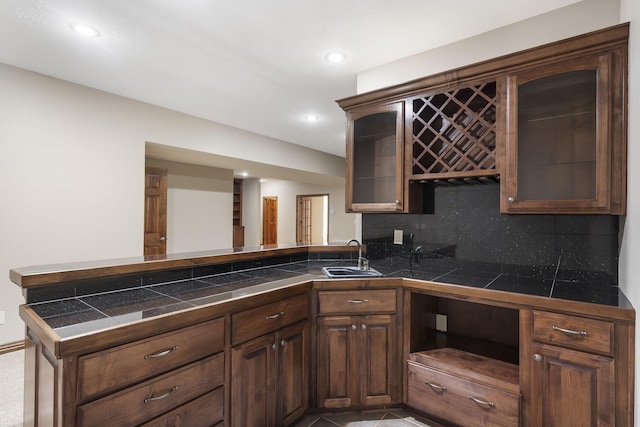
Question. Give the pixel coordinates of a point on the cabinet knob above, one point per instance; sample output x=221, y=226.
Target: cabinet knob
x=282, y=343
x=274, y=346
x=354, y=327
x=511, y=199
x=397, y=202
x=537, y=357
x=363, y=326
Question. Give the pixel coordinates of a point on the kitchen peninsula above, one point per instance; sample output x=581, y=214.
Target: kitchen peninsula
x=260, y=336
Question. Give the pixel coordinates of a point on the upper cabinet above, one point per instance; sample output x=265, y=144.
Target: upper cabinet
x=452, y=133
x=565, y=139
x=375, y=147
x=548, y=123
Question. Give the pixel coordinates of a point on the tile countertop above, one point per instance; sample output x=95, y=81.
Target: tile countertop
x=78, y=315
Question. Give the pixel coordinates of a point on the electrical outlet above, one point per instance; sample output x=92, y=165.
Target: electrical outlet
x=1, y=317
x=441, y=322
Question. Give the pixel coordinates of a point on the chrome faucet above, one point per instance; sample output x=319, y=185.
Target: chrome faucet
x=363, y=263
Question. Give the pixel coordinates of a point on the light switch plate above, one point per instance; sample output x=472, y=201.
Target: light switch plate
x=1, y=317
x=397, y=237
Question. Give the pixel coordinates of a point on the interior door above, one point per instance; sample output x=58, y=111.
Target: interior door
x=155, y=211
x=269, y=220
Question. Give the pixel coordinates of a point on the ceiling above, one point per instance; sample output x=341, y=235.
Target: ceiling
x=253, y=64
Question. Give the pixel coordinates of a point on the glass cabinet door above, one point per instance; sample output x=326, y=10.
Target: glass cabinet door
x=374, y=159
x=558, y=143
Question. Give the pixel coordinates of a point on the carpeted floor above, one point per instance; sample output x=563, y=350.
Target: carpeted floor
x=11, y=388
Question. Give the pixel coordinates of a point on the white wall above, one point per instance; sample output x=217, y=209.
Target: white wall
x=251, y=216
x=72, y=172
x=578, y=18
x=199, y=206
x=628, y=264
x=341, y=224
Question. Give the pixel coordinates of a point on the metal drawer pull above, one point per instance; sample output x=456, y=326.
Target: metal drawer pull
x=569, y=331
x=436, y=387
x=482, y=402
x=275, y=316
x=161, y=353
x=162, y=396
x=357, y=301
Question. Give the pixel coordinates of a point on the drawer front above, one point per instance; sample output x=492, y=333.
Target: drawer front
x=356, y=302
x=121, y=366
x=575, y=332
x=455, y=403
x=157, y=396
x=202, y=412
x=258, y=321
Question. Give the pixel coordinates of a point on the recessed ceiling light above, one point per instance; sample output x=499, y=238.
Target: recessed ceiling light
x=244, y=174
x=311, y=118
x=84, y=29
x=335, y=57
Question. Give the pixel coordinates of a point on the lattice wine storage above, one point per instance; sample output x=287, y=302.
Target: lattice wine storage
x=454, y=133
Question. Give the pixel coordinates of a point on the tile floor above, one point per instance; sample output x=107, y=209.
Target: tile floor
x=388, y=418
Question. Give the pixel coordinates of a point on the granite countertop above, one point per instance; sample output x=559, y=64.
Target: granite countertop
x=77, y=315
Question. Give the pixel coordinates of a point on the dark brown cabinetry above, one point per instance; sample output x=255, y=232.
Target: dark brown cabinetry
x=573, y=381
x=453, y=133
x=357, y=361
x=463, y=360
x=270, y=372
x=564, y=139
x=548, y=123
x=375, y=149
x=175, y=378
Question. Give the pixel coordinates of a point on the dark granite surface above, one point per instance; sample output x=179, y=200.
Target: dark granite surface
x=113, y=305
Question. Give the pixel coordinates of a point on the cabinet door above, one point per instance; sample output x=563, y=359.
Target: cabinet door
x=337, y=362
x=571, y=388
x=253, y=373
x=560, y=137
x=293, y=372
x=374, y=155
x=378, y=366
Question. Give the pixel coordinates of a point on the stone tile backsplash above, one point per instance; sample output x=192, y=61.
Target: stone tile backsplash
x=467, y=220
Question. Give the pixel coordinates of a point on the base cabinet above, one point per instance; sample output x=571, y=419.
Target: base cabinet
x=572, y=388
x=356, y=361
x=269, y=385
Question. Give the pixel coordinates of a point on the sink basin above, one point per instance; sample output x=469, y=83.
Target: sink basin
x=349, y=272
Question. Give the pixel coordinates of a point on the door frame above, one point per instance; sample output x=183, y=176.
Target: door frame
x=300, y=216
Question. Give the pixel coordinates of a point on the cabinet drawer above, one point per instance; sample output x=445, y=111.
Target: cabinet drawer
x=258, y=321
x=201, y=412
x=572, y=331
x=450, y=397
x=149, y=399
x=120, y=366
x=365, y=301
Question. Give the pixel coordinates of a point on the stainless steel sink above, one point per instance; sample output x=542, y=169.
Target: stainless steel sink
x=349, y=272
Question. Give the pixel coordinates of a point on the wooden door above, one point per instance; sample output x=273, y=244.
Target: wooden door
x=378, y=370
x=337, y=363
x=303, y=216
x=253, y=373
x=155, y=211
x=269, y=220
x=571, y=388
x=293, y=373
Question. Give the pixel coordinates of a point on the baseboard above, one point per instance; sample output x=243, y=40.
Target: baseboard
x=14, y=346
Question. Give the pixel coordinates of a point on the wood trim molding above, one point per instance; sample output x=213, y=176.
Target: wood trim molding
x=12, y=346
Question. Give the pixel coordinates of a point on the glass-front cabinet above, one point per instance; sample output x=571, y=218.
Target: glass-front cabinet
x=562, y=135
x=375, y=159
